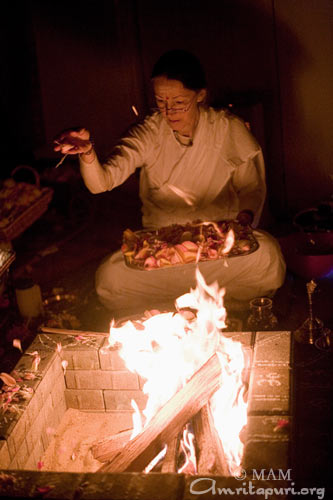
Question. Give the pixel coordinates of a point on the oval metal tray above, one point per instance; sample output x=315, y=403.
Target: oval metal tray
x=234, y=252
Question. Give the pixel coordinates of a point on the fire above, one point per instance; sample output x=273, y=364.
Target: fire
x=188, y=448
x=229, y=242
x=169, y=348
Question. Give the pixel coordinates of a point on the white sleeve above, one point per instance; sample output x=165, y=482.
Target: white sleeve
x=250, y=185
x=131, y=153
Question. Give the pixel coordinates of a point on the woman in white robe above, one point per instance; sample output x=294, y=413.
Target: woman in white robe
x=195, y=163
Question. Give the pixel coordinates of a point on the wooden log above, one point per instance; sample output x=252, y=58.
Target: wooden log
x=170, y=460
x=169, y=420
x=210, y=455
x=101, y=449
x=64, y=331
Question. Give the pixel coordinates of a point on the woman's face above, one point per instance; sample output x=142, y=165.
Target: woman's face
x=178, y=105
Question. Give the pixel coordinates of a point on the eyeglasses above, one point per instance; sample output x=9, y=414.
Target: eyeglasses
x=162, y=107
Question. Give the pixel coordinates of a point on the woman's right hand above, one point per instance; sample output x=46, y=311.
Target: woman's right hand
x=73, y=141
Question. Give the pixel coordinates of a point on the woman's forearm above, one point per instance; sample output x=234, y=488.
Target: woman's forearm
x=96, y=178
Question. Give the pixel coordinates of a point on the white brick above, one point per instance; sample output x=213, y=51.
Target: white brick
x=13, y=464
x=30, y=463
x=110, y=359
x=35, y=456
x=33, y=409
x=88, y=379
x=86, y=399
x=17, y=436
x=22, y=454
x=121, y=400
x=124, y=380
x=4, y=455
x=49, y=421
x=38, y=452
x=82, y=360
x=58, y=390
x=31, y=439
x=60, y=410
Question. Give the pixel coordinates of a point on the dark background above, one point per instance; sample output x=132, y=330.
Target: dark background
x=70, y=64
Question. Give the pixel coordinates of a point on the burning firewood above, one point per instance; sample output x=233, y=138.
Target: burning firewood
x=102, y=449
x=211, y=457
x=168, y=421
x=170, y=460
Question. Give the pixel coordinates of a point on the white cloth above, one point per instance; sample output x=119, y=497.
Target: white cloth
x=125, y=290
x=221, y=173
x=223, y=170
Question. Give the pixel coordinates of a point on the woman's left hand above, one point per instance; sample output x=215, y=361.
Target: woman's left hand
x=245, y=217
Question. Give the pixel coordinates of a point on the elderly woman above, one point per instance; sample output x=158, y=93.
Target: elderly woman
x=195, y=163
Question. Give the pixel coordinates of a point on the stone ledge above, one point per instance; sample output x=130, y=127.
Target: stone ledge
x=272, y=348
x=269, y=390
x=155, y=486
x=121, y=400
x=4, y=454
x=49, y=342
x=267, y=442
x=88, y=379
x=85, y=399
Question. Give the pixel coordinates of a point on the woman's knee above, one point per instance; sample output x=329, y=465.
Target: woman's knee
x=105, y=279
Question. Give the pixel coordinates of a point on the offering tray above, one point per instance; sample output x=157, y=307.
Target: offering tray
x=180, y=244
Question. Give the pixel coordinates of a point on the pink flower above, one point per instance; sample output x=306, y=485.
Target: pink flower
x=281, y=424
x=44, y=489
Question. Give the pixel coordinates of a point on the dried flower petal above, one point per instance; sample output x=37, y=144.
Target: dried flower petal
x=35, y=362
x=17, y=344
x=7, y=479
x=35, y=353
x=282, y=423
x=7, y=379
x=44, y=489
x=64, y=364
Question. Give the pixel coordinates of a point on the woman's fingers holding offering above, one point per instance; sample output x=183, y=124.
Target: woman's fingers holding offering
x=73, y=142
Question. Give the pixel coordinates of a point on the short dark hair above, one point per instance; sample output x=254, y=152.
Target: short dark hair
x=182, y=66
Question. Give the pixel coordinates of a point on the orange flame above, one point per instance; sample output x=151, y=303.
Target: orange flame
x=229, y=242
x=170, y=347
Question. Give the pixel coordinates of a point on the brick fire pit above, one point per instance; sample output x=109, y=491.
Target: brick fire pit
x=85, y=375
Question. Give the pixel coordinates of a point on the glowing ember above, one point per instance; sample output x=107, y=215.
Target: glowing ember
x=169, y=348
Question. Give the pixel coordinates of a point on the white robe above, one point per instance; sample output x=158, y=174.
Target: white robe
x=221, y=173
